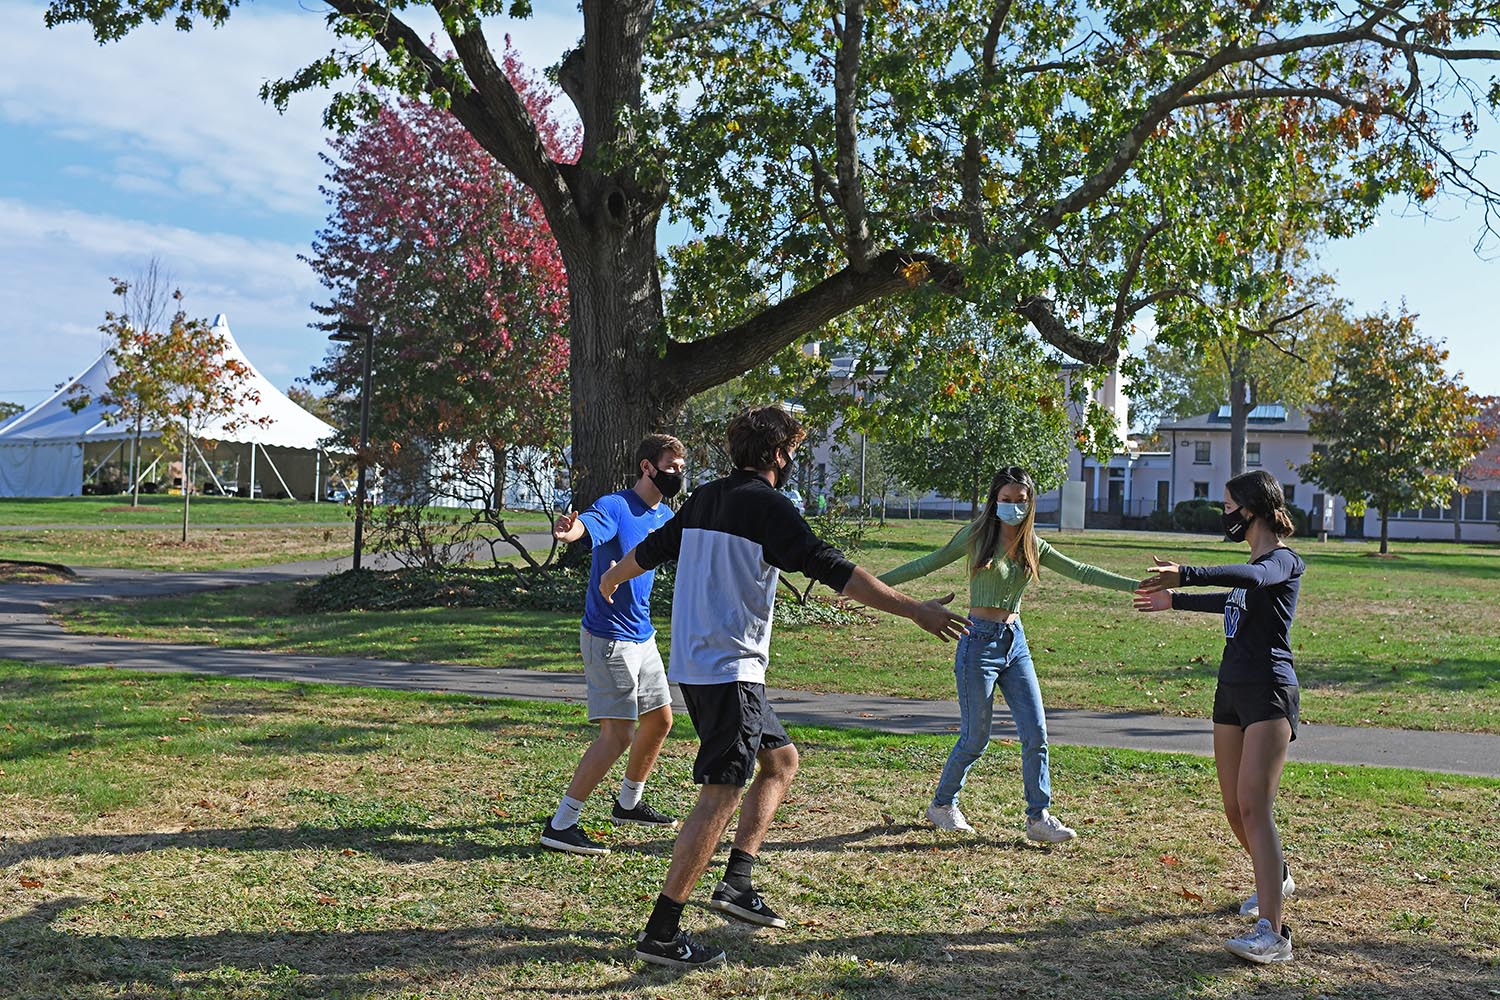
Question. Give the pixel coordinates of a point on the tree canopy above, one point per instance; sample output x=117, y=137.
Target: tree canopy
x=1053, y=164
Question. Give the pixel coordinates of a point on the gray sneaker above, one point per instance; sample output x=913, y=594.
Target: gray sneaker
x=1048, y=829
x=948, y=817
x=1251, y=906
x=1263, y=945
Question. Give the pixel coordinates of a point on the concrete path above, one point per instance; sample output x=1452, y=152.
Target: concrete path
x=28, y=633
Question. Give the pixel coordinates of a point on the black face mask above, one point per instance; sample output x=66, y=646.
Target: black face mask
x=1235, y=525
x=783, y=473
x=667, y=483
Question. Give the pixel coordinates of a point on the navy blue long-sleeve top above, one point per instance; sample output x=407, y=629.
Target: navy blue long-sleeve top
x=1257, y=613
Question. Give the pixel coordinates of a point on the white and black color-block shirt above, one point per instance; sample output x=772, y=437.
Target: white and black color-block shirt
x=731, y=539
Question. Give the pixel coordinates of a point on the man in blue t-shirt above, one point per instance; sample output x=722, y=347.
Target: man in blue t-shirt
x=627, y=685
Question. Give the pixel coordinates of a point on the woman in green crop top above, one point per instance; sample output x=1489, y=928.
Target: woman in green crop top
x=1004, y=555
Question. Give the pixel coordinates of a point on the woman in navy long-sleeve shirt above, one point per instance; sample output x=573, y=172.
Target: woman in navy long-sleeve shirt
x=1256, y=701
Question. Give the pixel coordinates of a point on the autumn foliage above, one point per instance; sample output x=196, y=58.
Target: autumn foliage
x=451, y=258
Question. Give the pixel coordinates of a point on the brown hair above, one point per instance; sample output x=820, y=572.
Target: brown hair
x=756, y=436
x=1259, y=493
x=653, y=445
x=984, y=538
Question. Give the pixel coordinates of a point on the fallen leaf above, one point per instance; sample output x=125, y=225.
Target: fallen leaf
x=30, y=883
x=1190, y=894
x=348, y=852
x=164, y=739
x=328, y=900
x=1170, y=859
x=184, y=718
x=204, y=804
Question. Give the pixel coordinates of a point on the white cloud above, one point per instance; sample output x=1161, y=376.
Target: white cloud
x=57, y=265
x=188, y=104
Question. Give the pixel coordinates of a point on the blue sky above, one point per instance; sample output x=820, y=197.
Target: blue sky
x=159, y=145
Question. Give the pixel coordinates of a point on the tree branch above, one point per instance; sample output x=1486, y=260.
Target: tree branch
x=1037, y=310
x=846, y=132
x=710, y=23
x=520, y=143
x=702, y=364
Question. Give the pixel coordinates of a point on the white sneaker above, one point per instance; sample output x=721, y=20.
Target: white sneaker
x=948, y=818
x=1048, y=829
x=1251, y=906
x=1263, y=945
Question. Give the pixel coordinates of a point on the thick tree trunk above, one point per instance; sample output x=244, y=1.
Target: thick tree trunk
x=1385, y=531
x=618, y=395
x=1240, y=405
x=1458, y=516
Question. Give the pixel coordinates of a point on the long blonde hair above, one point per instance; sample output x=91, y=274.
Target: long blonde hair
x=984, y=538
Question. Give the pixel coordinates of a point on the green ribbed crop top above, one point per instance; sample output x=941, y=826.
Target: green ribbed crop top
x=1001, y=584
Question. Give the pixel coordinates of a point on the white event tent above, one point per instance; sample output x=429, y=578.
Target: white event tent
x=49, y=450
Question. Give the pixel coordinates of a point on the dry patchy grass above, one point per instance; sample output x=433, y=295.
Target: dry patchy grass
x=195, y=838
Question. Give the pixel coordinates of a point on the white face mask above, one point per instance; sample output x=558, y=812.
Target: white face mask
x=1011, y=513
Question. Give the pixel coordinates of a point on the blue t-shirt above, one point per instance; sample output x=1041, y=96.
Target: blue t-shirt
x=616, y=524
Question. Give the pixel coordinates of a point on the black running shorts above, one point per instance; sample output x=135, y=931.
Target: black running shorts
x=1244, y=705
x=734, y=724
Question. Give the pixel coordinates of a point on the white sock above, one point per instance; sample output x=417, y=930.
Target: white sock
x=630, y=793
x=567, y=813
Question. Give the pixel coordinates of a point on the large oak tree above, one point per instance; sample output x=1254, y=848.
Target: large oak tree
x=1032, y=158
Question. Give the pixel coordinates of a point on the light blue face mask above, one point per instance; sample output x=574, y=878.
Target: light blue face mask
x=1011, y=513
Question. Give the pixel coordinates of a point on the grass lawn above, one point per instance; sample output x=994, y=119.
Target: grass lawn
x=163, y=509
x=163, y=549
x=198, y=838
x=1407, y=642
x=167, y=510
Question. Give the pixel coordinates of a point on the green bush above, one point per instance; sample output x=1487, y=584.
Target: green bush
x=1300, y=521
x=1161, y=520
x=1200, y=515
x=420, y=587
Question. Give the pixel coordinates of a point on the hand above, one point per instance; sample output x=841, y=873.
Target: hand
x=1167, y=575
x=607, y=583
x=564, y=525
x=934, y=617
x=1152, y=600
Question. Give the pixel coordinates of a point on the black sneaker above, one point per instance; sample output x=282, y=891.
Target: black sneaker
x=744, y=905
x=644, y=813
x=573, y=840
x=682, y=952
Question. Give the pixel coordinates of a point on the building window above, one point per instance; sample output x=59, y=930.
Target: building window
x=1202, y=454
x=1492, y=505
x=1474, y=506
x=1200, y=491
x=1163, y=495
x=1289, y=490
x=1252, y=453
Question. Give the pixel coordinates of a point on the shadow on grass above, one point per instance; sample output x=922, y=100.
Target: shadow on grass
x=402, y=842
x=1064, y=959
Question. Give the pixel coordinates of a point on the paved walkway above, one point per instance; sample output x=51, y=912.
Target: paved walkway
x=28, y=633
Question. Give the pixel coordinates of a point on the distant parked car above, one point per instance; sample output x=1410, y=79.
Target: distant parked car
x=338, y=494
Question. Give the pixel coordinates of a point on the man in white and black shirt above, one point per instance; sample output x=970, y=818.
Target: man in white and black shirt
x=732, y=539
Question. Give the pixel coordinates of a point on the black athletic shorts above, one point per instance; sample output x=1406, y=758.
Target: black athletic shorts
x=1244, y=705
x=734, y=724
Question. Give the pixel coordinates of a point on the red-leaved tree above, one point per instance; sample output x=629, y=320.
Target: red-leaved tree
x=451, y=258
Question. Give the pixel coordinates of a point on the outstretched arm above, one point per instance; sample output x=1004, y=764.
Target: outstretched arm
x=1279, y=568
x=1162, y=600
x=625, y=570
x=1083, y=572
x=931, y=616
x=956, y=547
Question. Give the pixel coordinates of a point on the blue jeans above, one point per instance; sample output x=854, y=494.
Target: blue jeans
x=994, y=654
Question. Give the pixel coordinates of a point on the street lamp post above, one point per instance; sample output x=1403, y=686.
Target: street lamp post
x=351, y=333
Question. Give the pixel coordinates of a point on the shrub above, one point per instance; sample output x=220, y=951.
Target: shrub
x=422, y=587
x=1199, y=515
x=1161, y=520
